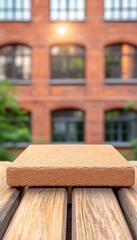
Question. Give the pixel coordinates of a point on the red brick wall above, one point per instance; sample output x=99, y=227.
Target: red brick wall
x=95, y=96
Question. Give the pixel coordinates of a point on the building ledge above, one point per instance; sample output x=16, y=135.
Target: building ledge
x=67, y=20
x=16, y=21
x=120, y=81
x=67, y=81
x=16, y=145
x=120, y=144
x=119, y=21
x=22, y=82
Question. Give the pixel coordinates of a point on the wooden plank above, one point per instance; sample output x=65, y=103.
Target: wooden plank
x=9, y=200
x=96, y=215
x=4, y=163
x=133, y=163
x=128, y=201
x=41, y=215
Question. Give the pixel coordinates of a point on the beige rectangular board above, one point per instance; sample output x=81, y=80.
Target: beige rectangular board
x=70, y=165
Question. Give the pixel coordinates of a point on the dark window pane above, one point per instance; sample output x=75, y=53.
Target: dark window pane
x=67, y=126
x=80, y=130
x=121, y=61
x=120, y=126
x=67, y=62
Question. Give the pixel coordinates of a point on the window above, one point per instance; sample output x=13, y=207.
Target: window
x=67, y=62
x=67, y=10
x=15, y=63
x=120, y=10
x=15, y=10
x=120, y=126
x=121, y=62
x=68, y=126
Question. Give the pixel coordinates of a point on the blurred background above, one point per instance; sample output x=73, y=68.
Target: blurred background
x=68, y=74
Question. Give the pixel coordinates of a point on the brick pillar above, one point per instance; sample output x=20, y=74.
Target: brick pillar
x=40, y=123
x=94, y=125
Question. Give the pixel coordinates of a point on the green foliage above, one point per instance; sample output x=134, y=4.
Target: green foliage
x=125, y=154
x=129, y=106
x=39, y=140
x=14, y=122
x=135, y=149
x=112, y=114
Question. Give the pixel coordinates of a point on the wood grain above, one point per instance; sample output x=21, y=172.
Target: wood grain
x=41, y=215
x=9, y=199
x=128, y=201
x=96, y=215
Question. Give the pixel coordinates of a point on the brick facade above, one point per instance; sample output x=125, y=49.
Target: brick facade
x=95, y=96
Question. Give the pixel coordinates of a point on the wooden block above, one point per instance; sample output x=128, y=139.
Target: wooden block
x=9, y=200
x=96, y=214
x=41, y=214
x=70, y=165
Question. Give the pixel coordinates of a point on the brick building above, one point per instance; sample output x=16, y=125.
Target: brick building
x=74, y=63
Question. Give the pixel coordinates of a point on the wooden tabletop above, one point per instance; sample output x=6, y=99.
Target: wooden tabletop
x=48, y=214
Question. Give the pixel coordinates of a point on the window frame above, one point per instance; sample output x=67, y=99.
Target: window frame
x=120, y=120
x=65, y=81
x=13, y=20
x=112, y=10
x=119, y=80
x=68, y=20
x=69, y=120
x=19, y=81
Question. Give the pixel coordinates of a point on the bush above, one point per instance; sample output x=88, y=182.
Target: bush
x=14, y=122
x=129, y=106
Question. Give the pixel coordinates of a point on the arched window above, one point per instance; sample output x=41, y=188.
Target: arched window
x=67, y=64
x=121, y=62
x=68, y=126
x=120, y=126
x=15, y=10
x=15, y=63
